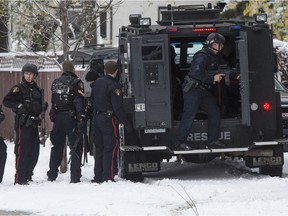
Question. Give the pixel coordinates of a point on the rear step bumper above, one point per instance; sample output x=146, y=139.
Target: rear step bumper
x=165, y=149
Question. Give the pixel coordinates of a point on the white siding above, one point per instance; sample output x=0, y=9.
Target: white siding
x=146, y=8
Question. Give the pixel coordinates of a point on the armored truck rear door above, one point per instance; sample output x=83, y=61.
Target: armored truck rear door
x=258, y=98
x=151, y=81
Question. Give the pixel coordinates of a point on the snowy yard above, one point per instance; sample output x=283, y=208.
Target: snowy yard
x=218, y=188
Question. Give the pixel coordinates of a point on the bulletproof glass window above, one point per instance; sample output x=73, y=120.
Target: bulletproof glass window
x=193, y=47
x=152, y=53
x=177, y=52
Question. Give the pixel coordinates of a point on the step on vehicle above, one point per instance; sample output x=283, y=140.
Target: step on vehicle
x=251, y=126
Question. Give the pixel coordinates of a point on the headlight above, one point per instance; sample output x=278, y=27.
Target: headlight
x=261, y=18
x=145, y=22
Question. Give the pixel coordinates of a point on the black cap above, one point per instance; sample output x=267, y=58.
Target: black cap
x=92, y=75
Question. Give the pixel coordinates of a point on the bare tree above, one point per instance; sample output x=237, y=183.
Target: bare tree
x=4, y=17
x=43, y=25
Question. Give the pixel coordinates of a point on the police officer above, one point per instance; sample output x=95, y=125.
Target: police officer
x=67, y=114
x=206, y=59
x=107, y=104
x=25, y=99
x=90, y=77
x=3, y=148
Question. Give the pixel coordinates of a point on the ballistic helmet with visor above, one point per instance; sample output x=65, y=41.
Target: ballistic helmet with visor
x=215, y=38
x=28, y=67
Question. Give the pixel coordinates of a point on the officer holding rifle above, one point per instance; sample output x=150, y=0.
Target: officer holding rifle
x=196, y=92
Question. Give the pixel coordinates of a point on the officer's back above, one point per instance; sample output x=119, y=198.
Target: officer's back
x=68, y=115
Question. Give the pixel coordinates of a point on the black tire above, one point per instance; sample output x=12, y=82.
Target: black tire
x=273, y=171
x=199, y=158
x=135, y=177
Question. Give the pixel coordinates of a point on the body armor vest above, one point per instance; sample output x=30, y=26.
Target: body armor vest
x=62, y=93
x=213, y=61
x=32, y=99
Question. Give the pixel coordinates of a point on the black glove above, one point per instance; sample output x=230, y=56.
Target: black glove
x=81, y=126
x=52, y=115
x=44, y=106
x=21, y=110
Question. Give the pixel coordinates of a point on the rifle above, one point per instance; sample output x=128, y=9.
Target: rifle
x=43, y=135
x=80, y=138
x=86, y=148
x=229, y=73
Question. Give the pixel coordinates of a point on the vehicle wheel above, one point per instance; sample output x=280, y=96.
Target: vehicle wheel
x=200, y=158
x=273, y=171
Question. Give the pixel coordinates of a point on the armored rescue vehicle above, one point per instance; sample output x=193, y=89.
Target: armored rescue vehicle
x=154, y=60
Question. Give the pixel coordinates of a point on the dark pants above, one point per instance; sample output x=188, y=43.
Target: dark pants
x=106, y=146
x=26, y=152
x=3, y=157
x=194, y=99
x=64, y=125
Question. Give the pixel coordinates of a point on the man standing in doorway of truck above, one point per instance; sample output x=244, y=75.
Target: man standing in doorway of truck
x=198, y=95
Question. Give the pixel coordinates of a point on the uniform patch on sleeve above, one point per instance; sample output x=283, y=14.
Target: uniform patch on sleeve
x=15, y=89
x=81, y=85
x=118, y=92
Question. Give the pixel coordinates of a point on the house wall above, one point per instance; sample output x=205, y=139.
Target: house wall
x=146, y=8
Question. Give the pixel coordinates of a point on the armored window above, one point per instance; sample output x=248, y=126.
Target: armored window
x=152, y=53
x=192, y=49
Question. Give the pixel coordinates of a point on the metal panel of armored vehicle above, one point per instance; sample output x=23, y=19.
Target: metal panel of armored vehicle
x=250, y=118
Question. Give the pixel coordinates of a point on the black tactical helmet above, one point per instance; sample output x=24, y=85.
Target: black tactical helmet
x=28, y=67
x=215, y=38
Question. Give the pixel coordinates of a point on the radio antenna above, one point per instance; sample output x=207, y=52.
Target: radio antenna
x=171, y=9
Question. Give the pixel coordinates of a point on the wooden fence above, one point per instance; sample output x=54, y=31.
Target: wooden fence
x=9, y=79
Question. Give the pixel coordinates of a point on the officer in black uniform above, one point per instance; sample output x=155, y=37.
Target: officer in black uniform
x=25, y=99
x=207, y=59
x=68, y=115
x=108, y=111
x=3, y=149
x=90, y=78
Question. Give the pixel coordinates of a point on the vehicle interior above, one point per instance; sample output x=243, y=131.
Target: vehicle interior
x=227, y=93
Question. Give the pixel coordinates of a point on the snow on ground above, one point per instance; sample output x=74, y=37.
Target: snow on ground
x=217, y=188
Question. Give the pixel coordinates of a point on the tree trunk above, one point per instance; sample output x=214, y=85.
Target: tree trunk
x=64, y=28
x=4, y=18
x=90, y=36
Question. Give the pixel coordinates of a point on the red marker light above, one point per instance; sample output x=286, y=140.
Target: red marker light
x=172, y=29
x=204, y=30
x=266, y=106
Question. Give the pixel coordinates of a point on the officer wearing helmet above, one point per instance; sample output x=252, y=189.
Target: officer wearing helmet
x=25, y=100
x=199, y=94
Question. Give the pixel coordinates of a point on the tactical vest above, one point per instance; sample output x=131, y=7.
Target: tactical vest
x=213, y=61
x=32, y=98
x=62, y=93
